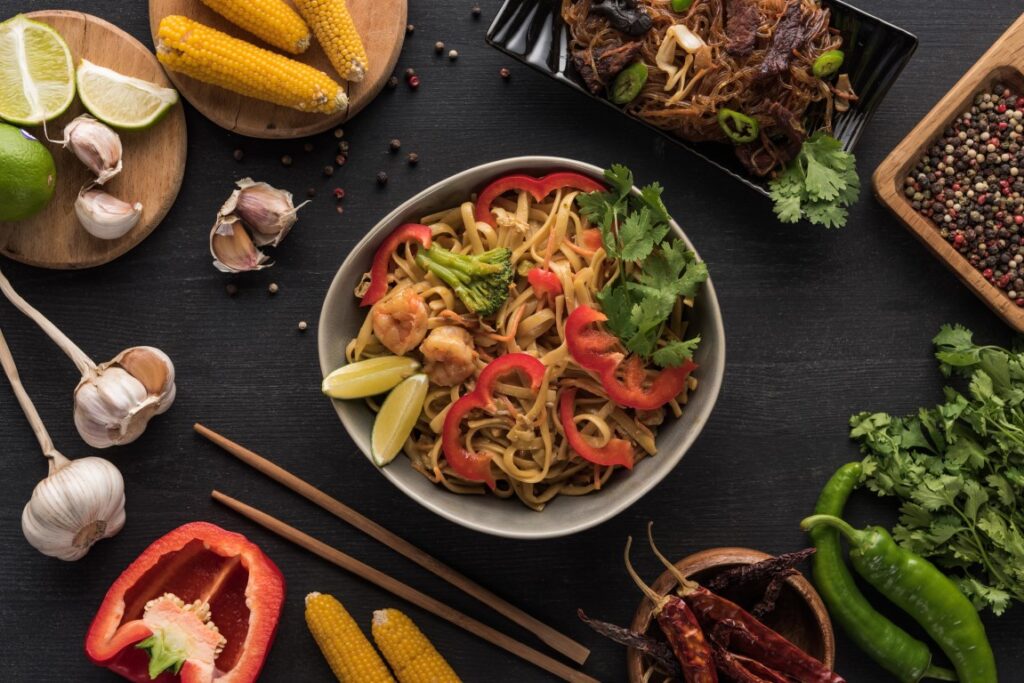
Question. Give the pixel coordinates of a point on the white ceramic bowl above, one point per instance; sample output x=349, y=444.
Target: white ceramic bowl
x=341, y=317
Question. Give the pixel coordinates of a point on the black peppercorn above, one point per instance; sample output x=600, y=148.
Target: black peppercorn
x=394, y=145
x=382, y=178
x=413, y=158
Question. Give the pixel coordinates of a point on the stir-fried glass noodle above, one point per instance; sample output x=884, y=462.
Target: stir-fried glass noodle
x=754, y=57
x=423, y=318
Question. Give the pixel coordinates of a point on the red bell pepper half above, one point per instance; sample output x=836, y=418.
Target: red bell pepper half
x=156, y=621
x=477, y=466
x=539, y=188
x=615, y=452
x=545, y=283
x=409, y=232
x=599, y=351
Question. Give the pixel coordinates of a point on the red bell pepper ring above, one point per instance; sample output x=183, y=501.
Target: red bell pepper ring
x=539, y=188
x=477, y=466
x=615, y=452
x=409, y=232
x=139, y=631
x=545, y=283
x=598, y=351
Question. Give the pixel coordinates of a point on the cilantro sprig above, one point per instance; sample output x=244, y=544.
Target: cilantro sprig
x=818, y=184
x=958, y=470
x=634, y=229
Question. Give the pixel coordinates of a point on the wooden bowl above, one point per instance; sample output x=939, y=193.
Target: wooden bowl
x=1003, y=63
x=799, y=614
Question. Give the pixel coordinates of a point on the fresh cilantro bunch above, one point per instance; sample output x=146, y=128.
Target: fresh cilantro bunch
x=958, y=469
x=818, y=184
x=634, y=228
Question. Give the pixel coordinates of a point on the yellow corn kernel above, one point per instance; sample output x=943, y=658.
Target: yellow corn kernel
x=272, y=21
x=206, y=54
x=336, y=32
x=350, y=654
x=410, y=654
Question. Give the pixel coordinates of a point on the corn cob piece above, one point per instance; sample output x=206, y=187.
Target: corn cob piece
x=272, y=21
x=412, y=657
x=336, y=32
x=350, y=655
x=206, y=54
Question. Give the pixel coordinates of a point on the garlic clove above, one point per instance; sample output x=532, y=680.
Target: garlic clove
x=79, y=504
x=96, y=145
x=105, y=216
x=151, y=366
x=232, y=249
x=268, y=211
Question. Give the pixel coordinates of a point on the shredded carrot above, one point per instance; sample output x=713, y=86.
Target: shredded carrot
x=513, y=326
x=582, y=251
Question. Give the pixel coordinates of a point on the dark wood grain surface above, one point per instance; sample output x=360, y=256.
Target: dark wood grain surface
x=820, y=325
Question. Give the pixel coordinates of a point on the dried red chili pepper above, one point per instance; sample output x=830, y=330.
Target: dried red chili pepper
x=765, y=569
x=657, y=650
x=743, y=669
x=766, y=605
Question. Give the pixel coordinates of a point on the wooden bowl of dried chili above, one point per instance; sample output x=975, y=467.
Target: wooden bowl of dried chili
x=798, y=612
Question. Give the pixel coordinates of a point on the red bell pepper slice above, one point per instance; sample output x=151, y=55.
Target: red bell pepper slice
x=615, y=452
x=592, y=239
x=477, y=466
x=138, y=632
x=599, y=351
x=545, y=283
x=539, y=188
x=409, y=232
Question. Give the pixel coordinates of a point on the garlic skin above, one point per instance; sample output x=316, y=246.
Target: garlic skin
x=78, y=504
x=232, y=249
x=269, y=212
x=96, y=145
x=105, y=216
x=115, y=402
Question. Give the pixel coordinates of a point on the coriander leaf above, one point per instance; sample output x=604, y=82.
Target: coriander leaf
x=818, y=184
x=696, y=273
x=636, y=236
x=824, y=213
x=620, y=178
x=651, y=198
x=787, y=208
x=675, y=353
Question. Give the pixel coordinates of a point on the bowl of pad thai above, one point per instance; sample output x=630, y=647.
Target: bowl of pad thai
x=525, y=348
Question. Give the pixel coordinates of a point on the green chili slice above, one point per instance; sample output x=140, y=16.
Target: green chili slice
x=681, y=5
x=629, y=83
x=828, y=63
x=738, y=126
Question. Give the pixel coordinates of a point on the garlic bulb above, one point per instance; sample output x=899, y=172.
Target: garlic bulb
x=232, y=249
x=266, y=210
x=105, y=216
x=115, y=400
x=95, y=145
x=79, y=502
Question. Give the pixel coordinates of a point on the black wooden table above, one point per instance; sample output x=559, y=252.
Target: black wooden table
x=820, y=324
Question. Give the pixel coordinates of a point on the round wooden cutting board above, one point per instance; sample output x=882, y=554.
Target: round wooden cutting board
x=154, y=159
x=381, y=24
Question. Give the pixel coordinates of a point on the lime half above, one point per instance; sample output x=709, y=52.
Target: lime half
x=37, y=76
x=122, y=101
x=368, y=377
x=396, y=418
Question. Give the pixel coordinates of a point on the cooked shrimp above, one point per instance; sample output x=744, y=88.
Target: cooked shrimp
x=449, y=355
x=400, y=323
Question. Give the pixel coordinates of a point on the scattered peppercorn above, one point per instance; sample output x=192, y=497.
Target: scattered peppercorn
x=339, y=208
x=414, y=82
x=475, y=11
x=231, y=289
x=328, y=170
x=273, y=288
x=968, y=183
x=409, y=28
x=453, y=55
x=340, y=160
x=303, y=326
x=238, y=155
x=410, y=72
x=505, y=73
x=382, y=178
x=311, y=192
x=439, y=47
x=286, y=160
x=413, y=158
x=394, y=145
x=339, y=133
x=307, y=147
x=343, y=147
x=339, y=193
x=393, y=82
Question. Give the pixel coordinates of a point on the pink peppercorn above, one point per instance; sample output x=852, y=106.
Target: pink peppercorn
x=1001, y=108
x=1020, y=302
x=987, y=273
x=1018, y=219
x=414, y=82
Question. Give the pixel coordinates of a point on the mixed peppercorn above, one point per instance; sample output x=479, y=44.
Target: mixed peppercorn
x=970, y=184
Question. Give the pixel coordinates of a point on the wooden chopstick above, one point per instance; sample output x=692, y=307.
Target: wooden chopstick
x=558, y=641
x=404, y=591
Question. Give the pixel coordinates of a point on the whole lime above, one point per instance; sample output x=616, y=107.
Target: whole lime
x=27, y=174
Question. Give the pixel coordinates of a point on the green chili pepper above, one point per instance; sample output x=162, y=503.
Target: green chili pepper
x=739, y=127
x=629, y=83
x=681, y=5
x=895, y=650
x=828, y=63
x=917, y=587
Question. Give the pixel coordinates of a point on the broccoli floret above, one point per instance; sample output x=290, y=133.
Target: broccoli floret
x=480, y=280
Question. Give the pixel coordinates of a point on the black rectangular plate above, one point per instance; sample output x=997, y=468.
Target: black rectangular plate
x=533, y=32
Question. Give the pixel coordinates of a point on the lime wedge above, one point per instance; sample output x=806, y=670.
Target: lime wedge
x=37, y=76
x=122, y=101
x=396, y=418
x=368, y=377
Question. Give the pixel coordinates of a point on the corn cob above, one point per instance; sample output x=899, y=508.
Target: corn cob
x=188, y=47
x=410, y=654
x=272, y=21
x=350, y=654
x=334, y=29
